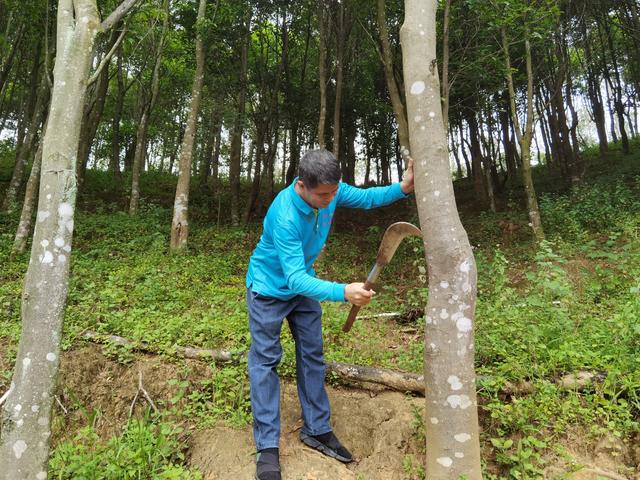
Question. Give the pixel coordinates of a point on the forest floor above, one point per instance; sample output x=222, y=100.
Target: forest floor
x=566, y=305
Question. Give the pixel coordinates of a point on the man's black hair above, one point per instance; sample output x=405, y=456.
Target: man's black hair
x=319, y=167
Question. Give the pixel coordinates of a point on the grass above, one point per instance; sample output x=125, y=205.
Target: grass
x=568, y=304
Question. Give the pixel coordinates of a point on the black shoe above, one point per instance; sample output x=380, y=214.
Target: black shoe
x=268, y=464
x=328, y=444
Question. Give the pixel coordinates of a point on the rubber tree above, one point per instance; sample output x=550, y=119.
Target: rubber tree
x=180, y=223
x=26, y=412
x=453, y=446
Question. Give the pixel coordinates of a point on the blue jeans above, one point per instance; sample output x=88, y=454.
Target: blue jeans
x=265, y=323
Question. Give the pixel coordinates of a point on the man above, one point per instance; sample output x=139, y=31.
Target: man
x=281, y=283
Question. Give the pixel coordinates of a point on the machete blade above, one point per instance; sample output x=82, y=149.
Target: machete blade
x=392, y=238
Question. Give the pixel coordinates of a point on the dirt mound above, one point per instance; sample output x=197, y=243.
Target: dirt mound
x=377, y=428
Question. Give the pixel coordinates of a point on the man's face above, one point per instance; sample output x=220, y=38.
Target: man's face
x=320, y=196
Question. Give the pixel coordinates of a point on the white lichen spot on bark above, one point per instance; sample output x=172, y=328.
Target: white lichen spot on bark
x=41, y=476
x=432, y=114
x=455, y=382
x=65, y=210
x=51, y=356
x=464, y=324
x=47, y=257
x=18, y=407
x=459, y=455
x=434, y=420
x=436, y=193
x=444, y=314
x=462, y=437
x=465, y=266
x=26, y=362
x=44, y=243
x=445, y=461
x=417, y=87
x=461, y=401
x=19, y=448
x=418, y=118
x=59, y=242
x=444, y=284
x=43, y=215
x=42, y=421
x=35, y=408
x=62, y=258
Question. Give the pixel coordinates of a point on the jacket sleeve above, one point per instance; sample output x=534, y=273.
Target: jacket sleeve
x=290, y=253
x=367, y=198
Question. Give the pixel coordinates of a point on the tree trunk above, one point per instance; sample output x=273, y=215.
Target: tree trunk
x=340, y=56
x=91, y=118
x=215, y=123
x=143, y=124
x=394, y=92
x=594, y=93
x=617, y=89
x=180, y=223
x=476, y=159
x=26, y=147
x=117, y=117
x=30, y=198
x=235, y=159
x=445, y=67
x=452, y=433
x=524, y=138
x=26, y=413
x=322, y=72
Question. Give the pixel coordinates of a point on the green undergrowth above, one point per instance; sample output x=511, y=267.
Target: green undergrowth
x=568, y=304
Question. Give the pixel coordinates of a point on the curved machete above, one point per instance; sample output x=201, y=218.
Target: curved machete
x=388, y=246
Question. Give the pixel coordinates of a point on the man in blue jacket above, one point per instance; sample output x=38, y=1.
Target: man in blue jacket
x=281, y=283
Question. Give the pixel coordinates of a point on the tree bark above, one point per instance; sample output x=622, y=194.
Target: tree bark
x=322, y=72
x=30, y=198
x=147, y=107
x=340, y=57
x=452, y=433
x=180, y=222
x=238, y=127
x=26, y=413
x=117, y=117
x=399, y=110
x=26, y=147
x=524, y=138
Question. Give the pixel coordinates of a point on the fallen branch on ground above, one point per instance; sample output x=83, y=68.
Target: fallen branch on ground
x=392, y=379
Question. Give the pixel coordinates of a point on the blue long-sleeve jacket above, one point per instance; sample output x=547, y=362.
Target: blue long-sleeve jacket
x=294, y=233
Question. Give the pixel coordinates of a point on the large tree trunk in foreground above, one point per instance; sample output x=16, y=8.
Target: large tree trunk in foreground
x=453, y=446
x=180, y=223
x=26, y=413
x=322, y=71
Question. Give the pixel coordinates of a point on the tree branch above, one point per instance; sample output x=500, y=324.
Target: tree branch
x=118, y=14
x=105, y=60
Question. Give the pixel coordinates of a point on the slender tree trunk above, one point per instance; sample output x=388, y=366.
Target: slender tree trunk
x=524, y=138
x=180, y=223
x=26, y=147
x=322, y=72
x=91, y=118
x=117, y=117
x=476, y=159
x=452, y=433
x=337, y=108
x=145, y=116
x=215, y=124
x=394, y=92
x=617, y=90
x=30, y=198
x=26, y=413
x=235, y=159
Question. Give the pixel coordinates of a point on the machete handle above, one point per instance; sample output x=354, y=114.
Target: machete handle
x=353, y=313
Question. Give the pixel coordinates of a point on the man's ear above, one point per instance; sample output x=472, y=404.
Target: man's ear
x=301, y=184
